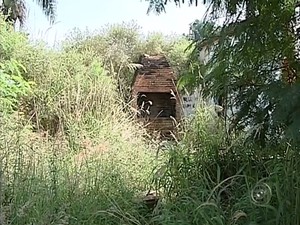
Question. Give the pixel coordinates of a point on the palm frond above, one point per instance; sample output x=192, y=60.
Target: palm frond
x=49, y=8
x=20, y=10
x=14, y=10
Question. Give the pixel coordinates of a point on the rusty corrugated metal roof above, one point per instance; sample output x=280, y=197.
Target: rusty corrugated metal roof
x=156, y=75
x=156, y=79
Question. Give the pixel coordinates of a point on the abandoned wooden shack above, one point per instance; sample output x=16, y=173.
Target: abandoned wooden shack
x=155, y=96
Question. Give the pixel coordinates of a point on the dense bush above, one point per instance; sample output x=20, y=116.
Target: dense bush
x=119, y=46
x=207, y=181
x=12, y=84
x=68, y=152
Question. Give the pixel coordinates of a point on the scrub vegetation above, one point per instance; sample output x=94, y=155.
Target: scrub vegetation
x=71, y=151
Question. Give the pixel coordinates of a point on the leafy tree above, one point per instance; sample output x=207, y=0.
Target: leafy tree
x=156, y=43
x=159, y=5
x=119, y=47
x=13, y=86
x=173, y=47
x=198, y=55
x=116, y=46
x=178, y=55
x=255, y=65
x=16, y=10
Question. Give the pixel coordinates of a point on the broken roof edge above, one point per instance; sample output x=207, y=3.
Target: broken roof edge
x=149, y=57
x=153, y=57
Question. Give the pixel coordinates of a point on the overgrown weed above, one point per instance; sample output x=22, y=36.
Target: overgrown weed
x=69, y=154
x=207, y=181
x=68, y=150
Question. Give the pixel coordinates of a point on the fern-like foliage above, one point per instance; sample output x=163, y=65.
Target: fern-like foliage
x=253, y=66
x=248, y=68
x=158, y=6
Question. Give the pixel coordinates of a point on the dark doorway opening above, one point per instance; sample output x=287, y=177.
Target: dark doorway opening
x=156, y=105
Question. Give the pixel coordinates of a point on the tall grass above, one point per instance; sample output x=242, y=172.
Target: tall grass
x=69, y=154
x=205, y=181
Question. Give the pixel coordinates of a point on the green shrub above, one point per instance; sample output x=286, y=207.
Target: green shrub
x=69, y=154
x=13, y=86
x=206, y=181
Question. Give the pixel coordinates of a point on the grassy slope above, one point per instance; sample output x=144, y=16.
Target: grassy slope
x=70, y=155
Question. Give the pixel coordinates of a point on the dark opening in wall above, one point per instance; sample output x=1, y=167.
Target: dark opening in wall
x=156, y=105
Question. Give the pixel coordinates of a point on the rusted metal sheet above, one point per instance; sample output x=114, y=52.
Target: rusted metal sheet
x=155, y=73
x=155, y=96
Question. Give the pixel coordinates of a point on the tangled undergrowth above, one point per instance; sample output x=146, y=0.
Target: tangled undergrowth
x=206, y=181
x=71, y=154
